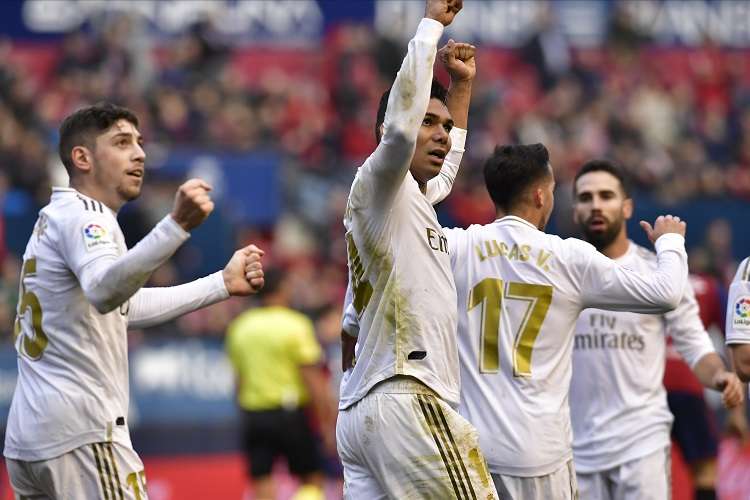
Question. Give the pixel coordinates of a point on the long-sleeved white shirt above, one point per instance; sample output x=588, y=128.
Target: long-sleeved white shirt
x=80, y=290
x=618, y=403
x=520, y=292
x=403, y=290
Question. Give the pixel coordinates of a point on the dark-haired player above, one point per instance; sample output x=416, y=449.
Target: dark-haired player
x=398, y=435
x=67, y=433
x=621, y=421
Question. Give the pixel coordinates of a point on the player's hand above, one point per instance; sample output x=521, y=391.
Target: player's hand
x=458, y=59
x=443, y=11
x=243, y=274
x=192, y=204
x=664, y=224
x=737, y=423
x=732, y=393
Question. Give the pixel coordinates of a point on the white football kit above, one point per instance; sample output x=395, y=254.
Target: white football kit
x=520, y=292
x=405, y=375
x=77, y=297
x=618, y=402
x=738, y=306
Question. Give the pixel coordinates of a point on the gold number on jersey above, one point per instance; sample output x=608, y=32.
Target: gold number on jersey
x=490, y=293
x=361, y=288
x=137, y=481
x=32, y=345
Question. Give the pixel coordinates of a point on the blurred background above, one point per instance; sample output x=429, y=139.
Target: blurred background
x=274, y=103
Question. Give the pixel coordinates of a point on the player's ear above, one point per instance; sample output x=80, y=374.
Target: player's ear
x=82, y=158
x=627, y=208
x=538, y=197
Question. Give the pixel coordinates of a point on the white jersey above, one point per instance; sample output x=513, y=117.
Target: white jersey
x=520, y=292
x=403, y=289
x=738, y=306
x=72, y=384
x=617, y=400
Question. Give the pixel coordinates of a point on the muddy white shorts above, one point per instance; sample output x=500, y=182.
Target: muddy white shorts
x=402, y=441
x=106, y=471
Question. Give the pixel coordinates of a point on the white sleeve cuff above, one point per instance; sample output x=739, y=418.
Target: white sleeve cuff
x=670, y=241
x=458, y=139
x=429, y=29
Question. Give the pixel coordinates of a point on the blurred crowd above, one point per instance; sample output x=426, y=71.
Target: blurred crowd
x=677, y=119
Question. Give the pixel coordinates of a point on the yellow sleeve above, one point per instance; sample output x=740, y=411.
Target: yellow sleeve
x=307, y=349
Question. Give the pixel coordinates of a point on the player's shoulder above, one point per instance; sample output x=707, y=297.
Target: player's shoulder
x=743, y=270
x=643, y=253
x=574, y=246
x=68, y=205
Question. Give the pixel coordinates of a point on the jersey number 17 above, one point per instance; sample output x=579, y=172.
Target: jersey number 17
x=490, y=294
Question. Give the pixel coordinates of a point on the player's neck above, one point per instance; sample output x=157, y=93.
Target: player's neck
x=97, y=194
x=533, y=217
x=618, y=247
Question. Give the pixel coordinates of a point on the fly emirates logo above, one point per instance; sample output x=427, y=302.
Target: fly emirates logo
x=602, y=332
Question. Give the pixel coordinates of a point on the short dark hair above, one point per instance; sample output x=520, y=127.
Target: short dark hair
x=603, y=165
x=511, y=169
x=82, y=127
x=437, y=91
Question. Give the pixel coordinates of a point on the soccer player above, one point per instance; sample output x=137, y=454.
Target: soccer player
x=67, y=434
x=398, y=435
x=519, y=294
x=738, y=320
x=621, y=421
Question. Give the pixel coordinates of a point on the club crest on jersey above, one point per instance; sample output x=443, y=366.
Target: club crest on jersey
x=95, y=236
x=741, y=316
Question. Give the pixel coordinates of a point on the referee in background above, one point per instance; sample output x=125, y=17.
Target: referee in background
x=278, y=365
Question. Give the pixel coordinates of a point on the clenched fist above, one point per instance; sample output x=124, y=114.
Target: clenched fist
x=458, y=59
x=443, y=11
x=243, y=274
x=664, y=224
x=192, y=204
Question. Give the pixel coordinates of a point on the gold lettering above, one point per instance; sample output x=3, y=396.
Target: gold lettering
x=542, y=258
x=478, y=250
x=525, y=250
x=430, y=237
x=491, y=252
x=503, y=249
x=513, y=253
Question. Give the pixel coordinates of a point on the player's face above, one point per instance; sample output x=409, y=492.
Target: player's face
x=600, y=208
x=119, y=161
x=433, y=142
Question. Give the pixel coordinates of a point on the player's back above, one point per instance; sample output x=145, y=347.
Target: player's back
x=519, y=294
x=72, y=386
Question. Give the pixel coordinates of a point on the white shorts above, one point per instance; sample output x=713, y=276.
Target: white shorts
x=106, y=471
x=560, y=485
x=401, y=441
x=645, y=478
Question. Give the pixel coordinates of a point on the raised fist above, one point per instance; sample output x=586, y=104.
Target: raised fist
x=442, y=11
x=192, y=204
x=458, y=59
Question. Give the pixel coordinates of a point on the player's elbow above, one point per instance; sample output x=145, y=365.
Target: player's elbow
x=102, y=301
x=103, y=306
x=741, y=355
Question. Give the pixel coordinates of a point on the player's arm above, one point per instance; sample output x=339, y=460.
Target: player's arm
x=738, y=321
x=607, y=285
x=693, y=343
x=323, y=403
x=243, y=275
x=108, y=280
x=409, y=97
x=459, y=60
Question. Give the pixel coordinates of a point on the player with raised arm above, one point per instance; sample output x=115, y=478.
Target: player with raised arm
x=621, y=421
x=398, y=436
x=80, y=289
x=520, y=292
x=459, y=61
x=738, y=320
